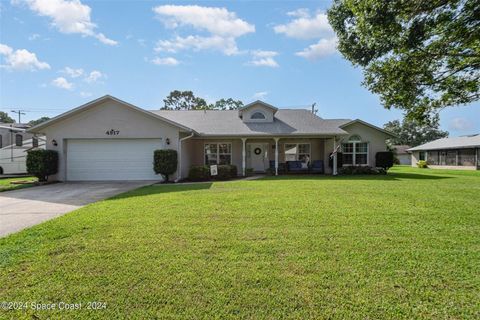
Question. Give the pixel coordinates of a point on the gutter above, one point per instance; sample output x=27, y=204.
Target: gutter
x=180, y=144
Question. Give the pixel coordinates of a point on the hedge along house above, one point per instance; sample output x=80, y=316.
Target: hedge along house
x=449, y=153
x=109, y=139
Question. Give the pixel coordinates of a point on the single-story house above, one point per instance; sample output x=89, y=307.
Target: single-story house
x=450, y=153
x=402, y=154
x=109, y=139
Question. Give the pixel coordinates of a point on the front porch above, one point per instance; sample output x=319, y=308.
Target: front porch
x=275, y=155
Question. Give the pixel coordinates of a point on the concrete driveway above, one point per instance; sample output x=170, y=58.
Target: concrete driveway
x=24, y=208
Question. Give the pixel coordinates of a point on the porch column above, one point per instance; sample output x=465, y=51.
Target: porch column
x=243, y=156
x=276, y=156
x=334, y=156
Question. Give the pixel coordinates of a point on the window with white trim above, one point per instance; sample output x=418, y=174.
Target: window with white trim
x=355, y=152
x=297, y=152
x=258, y=116
x=218, y=153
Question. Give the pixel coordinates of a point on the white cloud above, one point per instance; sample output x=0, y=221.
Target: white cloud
x=310, y=26
x=62, y=83
x=306, y=26
x=168, y=61
x=94, y=76
x=84, y=94
x=260, y=95
x=218, y=21
x=460, y=124
x=222, y=25
x=321, y=49
x=103, y=39
x=34, y=36
x=261, y=58
x=226, y=45
x=299, y=13
x=21, y=59
x=68, y=17
x=74, y=73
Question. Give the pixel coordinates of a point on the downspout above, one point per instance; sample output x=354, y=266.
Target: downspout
x=180, y=144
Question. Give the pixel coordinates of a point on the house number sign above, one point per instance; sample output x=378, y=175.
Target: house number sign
x=112, y=132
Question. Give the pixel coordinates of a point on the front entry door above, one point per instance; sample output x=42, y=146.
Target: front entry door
x=258, y=155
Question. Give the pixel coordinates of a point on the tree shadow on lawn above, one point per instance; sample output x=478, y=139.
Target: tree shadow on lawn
x=163, y=188
x=387, y=177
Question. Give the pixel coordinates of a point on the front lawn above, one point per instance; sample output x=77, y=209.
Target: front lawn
x=405, y=245
x=7, y=185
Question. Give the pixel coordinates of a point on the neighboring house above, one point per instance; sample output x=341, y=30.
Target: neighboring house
x=14, y=144
x=401, y=153
x=109, y=139
x=450, y=153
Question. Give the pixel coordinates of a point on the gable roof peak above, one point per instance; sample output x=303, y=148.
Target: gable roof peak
x=251, y=104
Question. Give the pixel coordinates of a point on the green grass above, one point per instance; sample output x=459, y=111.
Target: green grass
x=405, y=245
x=7, y=185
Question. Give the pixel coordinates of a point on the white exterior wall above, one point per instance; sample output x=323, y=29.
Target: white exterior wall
x=93, y=124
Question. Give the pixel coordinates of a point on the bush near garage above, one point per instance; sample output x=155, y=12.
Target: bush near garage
x=384, y=159
x=165, y=162
x=42, y=163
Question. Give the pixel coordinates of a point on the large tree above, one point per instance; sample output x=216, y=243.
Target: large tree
x=38, y=121
x=228, y=104
x=184, y=100
x=410, y=132
x=5, y=118
x=418, y=55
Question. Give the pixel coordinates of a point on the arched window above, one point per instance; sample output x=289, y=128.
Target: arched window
x=355, y=151
x=355, y=137
x=257, y=116
x=18, y=140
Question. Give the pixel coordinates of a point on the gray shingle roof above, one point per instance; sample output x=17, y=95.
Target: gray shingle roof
x=228, y=123
x=450, y=143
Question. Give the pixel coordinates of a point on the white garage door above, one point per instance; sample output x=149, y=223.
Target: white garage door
x=111, y=159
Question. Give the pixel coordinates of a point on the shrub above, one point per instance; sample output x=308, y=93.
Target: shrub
x=422, y=164
x=199, y=173
x=42, y=163
x=384, y=160
x=249, y=171
x=225, y=172
x=352, y=170
x=202, y=173
x=165, y=162
x=233, y=171
x=339, y=160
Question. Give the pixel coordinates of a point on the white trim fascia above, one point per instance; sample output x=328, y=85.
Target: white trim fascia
x=92, y=103
x=368, y=125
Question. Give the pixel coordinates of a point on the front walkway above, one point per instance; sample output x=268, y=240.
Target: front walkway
x=20, y=209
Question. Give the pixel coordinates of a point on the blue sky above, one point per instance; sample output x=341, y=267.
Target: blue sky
x=58, y=54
